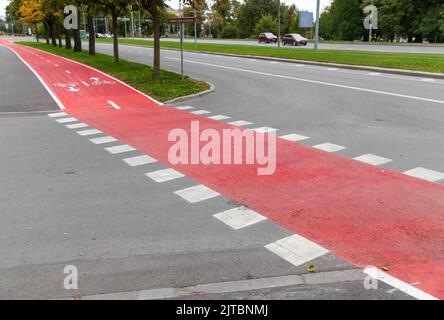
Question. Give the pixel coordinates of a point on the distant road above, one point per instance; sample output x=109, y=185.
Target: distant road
x=335, y=46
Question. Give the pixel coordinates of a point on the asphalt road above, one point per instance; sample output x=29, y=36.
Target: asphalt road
x=408, y=48
x=66, y=201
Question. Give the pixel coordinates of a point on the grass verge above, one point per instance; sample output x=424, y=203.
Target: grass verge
x=406, y=61
x=140, y=76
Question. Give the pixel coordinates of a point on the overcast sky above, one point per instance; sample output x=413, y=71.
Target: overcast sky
x=309, y=5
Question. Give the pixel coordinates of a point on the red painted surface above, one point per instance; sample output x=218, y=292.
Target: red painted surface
x=363, y=214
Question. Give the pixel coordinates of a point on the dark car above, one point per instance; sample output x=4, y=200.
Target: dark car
x=267, y=37
x=294, y=39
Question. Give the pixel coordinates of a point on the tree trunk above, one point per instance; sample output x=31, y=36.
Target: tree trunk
x=59, y=34
x=91, y=36
x=115, y=35
x=36, y=33
x=53, y=34
x=156, y=31
x=67, y=39
x=77, y=40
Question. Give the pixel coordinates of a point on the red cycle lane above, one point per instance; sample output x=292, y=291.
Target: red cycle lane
x=363, y=214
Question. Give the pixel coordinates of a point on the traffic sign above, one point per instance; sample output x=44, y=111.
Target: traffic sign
x=181, y=20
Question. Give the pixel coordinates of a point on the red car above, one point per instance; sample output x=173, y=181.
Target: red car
x=294, y=39
x=267, y=37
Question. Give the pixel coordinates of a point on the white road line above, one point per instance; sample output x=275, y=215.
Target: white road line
x=57, y=114
x=379, y=275
x=375, y=73
x=240, y=217
x=428, y=80
x=200, y=112
x=373, y=159
x=329, y=147
x=393, y=94
x=266, y=130
x=120, y=149
x=333, y=69
x=425, y=174
x=139, y=160
x=48, y=61
x=89, y=132
x=164, y=175
x=114, y=105
x=240, y=123
x=56, y=65
x=184, y=108
x=296, y=249
x=219, y=117
x=103, y=140
x=294, y=137
x=77, y=125
x=68, y=72
x=66, y=120
x=86, y=84
x=197, y=193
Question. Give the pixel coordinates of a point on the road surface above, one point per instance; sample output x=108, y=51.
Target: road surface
x=125, y=232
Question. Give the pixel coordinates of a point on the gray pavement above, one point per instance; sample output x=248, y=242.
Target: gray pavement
x=65, y=201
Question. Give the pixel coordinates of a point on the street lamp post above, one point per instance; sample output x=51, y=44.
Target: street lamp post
x=317, y=25
x=279, y=24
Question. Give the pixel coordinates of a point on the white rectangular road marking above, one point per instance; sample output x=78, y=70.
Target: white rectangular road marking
x=425, y=174
x=139, y=160
x=57, y=114
x=77, y=125
x=296, y=249
x=114, y=105
x=375, y=74
x=219, y=117
x=240, y=217
x=68, y=72
x=120, y=149
x=164, y=175
x=329, y=147
x=373, y=159
x=184, y=108
x=333, y=69
x=428, y=80
x=56, y=65
x=197, y=193
x=379, y=275
x=86, y=84
x=294, y=137
x=103, y=140
x=240, y=123
x=89, y=132
x=199, y=112
x=66, y=120
x=266, y=130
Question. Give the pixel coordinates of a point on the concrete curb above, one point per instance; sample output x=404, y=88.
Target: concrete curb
x=402, y=72
x=195, y=95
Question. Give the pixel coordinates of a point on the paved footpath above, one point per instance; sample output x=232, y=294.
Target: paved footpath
x=366, y=215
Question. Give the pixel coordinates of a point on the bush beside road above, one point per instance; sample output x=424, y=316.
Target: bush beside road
x=168, y=86
x=406, y=61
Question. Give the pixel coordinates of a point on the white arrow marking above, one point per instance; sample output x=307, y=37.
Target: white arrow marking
x=95, y=79
x=114, y=105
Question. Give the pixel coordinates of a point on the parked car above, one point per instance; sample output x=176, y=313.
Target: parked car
x=267, y=37
x=294, y=39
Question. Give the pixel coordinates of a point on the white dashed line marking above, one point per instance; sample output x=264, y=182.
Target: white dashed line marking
x=428, y=80
x=333, y=69
x=56, y=65
x=425, y=174
x=373, y=159
x=197, y=193
x=139, y=160
x=86, y=84
x=89, y=132
x=77, y=125
x=240, y=217
x=375, y=74
x=120, y=149
x=57, y=114
x=68, y=72
x=296, y=249
x=240, y=123
x=66, y=120
x=200, y=112
x=164, y=175
x=329, y=147
x=114, y=105
x=184, y=108
x=103, y=140
x=219, y=117
x=48, y=61
x=294, y=137
x=266, y=130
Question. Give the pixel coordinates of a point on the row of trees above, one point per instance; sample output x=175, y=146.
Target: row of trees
x=49, y=14
x=412, y=20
